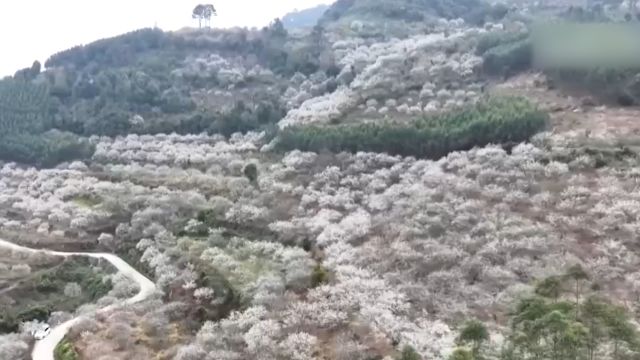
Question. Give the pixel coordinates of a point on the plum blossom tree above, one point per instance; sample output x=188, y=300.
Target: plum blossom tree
x=299, y=346
x=13, y=347
x=190, y=352
x=21, y=269
x=72, y=290
x=108, y=241
x=121, y=334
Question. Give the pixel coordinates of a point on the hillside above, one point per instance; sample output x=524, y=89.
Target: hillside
x=149, y=81
x=401, y=18
x=306, y=18
x=397, y=182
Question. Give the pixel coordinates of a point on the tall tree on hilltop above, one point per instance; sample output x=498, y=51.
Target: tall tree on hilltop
x=198, y=12
x=209, y=11
x=204, y=12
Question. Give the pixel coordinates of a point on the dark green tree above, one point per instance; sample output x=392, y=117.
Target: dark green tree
x=621, y=331
x=461, y=354
x=198, y=14
x=30, y=73
x=409, y=353
x=319, y=276
x=475, y=333
x=204, y=12
x=250, y=171
x=578, y=275
x=208, y=12
x=36, y=68
x=593, y=311
x=550, y=287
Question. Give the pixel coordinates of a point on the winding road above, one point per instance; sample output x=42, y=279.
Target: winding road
x=43, y=349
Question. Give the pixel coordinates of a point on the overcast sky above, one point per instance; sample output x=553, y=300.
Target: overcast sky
x=35, y=29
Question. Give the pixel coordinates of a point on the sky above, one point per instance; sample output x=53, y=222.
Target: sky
x=33, y=30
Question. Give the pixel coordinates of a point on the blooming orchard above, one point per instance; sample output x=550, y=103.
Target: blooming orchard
x=410, y=246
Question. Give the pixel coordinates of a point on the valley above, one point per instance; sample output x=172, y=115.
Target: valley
x=398, y=182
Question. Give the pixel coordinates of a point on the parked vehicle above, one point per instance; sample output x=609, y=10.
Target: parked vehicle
x=42, y=332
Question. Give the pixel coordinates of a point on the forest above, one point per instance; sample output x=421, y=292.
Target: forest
x=27, y=127
x=403, y=180
x=492, y=121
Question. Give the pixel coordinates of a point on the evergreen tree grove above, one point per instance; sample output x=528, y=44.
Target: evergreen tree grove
x=555, y=323
x=493, y=121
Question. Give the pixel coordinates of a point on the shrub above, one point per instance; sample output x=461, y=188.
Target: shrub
x=319, y=276
x=496, y=120
x=65, y=351
x=409, y=353
x=34, y=313
x=211, y=217
x=250, y=171
x=461, y=354
x=476, y=333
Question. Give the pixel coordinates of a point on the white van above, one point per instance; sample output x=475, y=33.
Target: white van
x=42, y=333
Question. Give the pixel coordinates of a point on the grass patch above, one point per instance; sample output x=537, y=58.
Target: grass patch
x=492, y=121
x=87, y=201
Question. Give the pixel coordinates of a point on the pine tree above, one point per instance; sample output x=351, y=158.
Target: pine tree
x=578, y=274
x=476, y=333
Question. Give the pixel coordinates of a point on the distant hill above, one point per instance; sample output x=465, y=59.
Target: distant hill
x=304, y=18
x=382, y=19
x=403, y=10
